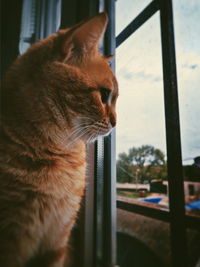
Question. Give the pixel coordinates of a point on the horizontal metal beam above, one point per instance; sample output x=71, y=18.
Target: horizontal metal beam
x=153, y=211
x=145, y=209
x=152, y=8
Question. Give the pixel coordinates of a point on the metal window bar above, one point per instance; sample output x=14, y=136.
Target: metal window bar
x=105, y=194
x=137, y=22
x=176, y=215
x=109, y=157
x=174, y=156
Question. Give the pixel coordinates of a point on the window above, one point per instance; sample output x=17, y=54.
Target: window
x=39, y=19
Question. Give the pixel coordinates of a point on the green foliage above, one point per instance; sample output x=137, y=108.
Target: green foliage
x=140, y=164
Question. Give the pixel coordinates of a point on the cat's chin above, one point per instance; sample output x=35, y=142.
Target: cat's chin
x=107, y=133
x=88, y=130
x=103, y=134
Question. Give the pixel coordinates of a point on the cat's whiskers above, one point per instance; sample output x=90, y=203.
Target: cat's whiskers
x=93, y=136
x=78, y=133
x=76, y=130
x=79, y=137
x=86, y=127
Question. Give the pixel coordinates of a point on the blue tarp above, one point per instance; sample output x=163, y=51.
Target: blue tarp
x=195, y=205
x=153, y=200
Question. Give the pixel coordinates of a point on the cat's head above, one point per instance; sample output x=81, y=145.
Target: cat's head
x=75, y=78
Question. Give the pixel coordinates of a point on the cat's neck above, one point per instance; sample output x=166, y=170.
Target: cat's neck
x=39, y=140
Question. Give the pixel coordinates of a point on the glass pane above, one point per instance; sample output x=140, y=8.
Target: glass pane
x=187, y=39
x=141, y=148
x=141, y=151
x=127, y=10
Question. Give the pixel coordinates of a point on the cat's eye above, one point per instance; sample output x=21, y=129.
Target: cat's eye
x=105, y=93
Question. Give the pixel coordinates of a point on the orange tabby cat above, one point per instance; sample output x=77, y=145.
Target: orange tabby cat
x=56, y=97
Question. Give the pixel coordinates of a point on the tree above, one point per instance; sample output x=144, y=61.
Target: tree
x=146, y=155
x=124, y=169
x=141, y=163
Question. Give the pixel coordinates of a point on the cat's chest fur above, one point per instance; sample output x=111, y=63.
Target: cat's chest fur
x=63, y=176
x=58, y=207
x=64, y=188
x=48, y=192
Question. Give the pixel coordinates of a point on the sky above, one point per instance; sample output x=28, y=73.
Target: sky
x=140, y=106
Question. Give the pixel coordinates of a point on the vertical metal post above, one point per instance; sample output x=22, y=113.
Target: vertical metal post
x=99, y=201
x=110, y=202
x=88, y=213
x=109, y=158
x=174, y=158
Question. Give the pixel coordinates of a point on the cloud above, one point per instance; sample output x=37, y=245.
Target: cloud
x=189, y=66
x=140, y=106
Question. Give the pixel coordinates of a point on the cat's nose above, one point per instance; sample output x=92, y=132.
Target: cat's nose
x=113, y=120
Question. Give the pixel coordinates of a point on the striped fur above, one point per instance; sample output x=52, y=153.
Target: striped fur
x=51, y=106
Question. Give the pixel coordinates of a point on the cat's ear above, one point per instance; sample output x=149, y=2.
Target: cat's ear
x=88, y=34
x=85, y=37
